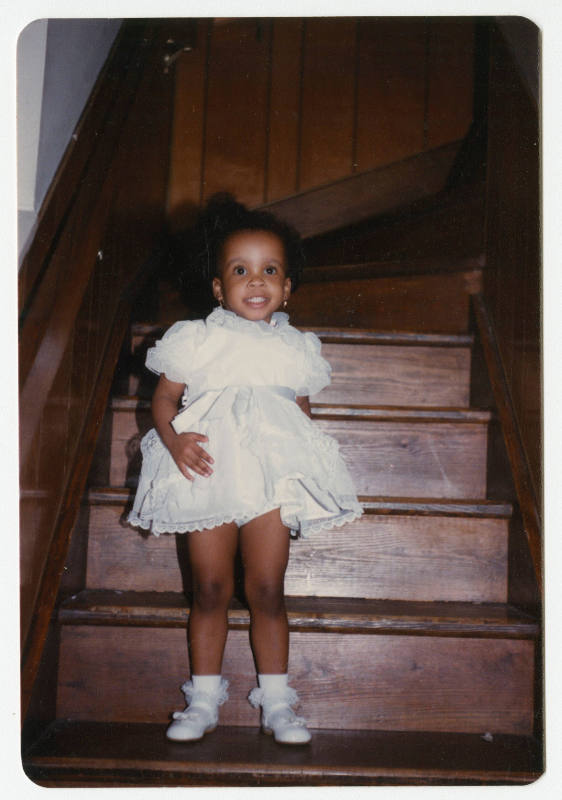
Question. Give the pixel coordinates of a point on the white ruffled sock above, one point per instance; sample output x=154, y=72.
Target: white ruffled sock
x=206, y=683
x=273, y=683
x=276, y=699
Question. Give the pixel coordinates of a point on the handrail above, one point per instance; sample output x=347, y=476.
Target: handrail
x=519, y=466
x=94, y=237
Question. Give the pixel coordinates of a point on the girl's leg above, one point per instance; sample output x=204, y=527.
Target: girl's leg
x=212, y=554
x=264, y=545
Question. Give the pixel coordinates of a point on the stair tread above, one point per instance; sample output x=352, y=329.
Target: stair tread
x=390, y=268
x=356, y=412
x=325, y=614
x=243, y=756
x=371, y=505
x=351, y=335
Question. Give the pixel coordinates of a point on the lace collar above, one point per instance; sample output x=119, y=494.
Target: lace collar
x=228, y=319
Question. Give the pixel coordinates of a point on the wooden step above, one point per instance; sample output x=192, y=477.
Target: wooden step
x=358, y=664
x=390, y=451
x=76, y=754
x=408, y=550
x=368, y=367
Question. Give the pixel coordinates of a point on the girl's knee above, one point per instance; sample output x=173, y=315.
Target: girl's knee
x=265, y=596
x=212, y=595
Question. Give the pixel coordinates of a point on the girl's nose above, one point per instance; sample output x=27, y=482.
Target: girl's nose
x=255, y=280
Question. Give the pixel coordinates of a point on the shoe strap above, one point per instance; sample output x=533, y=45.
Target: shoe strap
x=194, y=713
x=282, y=715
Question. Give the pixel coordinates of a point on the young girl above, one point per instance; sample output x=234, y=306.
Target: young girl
x=242, y=464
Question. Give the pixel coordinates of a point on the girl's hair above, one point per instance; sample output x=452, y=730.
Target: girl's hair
x=196, y=253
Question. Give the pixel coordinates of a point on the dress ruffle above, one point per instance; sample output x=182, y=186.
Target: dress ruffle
x=176, y=350
x=267, y=453
x=195, y=352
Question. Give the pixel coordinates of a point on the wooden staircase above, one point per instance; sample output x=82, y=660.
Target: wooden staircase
x=411, y=664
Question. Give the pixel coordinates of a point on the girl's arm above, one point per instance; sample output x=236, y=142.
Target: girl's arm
x=183, y=447
x=304, y=405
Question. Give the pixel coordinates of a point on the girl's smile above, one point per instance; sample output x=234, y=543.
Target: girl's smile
x=252, y=279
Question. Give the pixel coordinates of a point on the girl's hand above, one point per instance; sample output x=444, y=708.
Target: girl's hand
x=187, y=454
x=183, y=447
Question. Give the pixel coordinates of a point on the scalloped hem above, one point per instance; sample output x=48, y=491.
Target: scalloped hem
x=197, y=526
x=314, y=526
x=331, y=522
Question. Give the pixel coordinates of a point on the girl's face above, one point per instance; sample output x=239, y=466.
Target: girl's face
x=252, y=269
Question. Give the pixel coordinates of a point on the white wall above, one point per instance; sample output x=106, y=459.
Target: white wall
x=58, y=63
x=32, y=46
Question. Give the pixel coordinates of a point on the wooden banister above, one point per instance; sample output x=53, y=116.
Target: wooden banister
x=528, y=501
x=98, y=226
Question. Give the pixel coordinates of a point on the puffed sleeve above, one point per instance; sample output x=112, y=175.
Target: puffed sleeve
x=316, y=372
x=174, y=355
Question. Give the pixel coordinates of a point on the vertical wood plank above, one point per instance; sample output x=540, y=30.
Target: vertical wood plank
x=286, y=68
x=235, y=145
x=186, y=156
x=450, y=81
x=512, y=284
x=391, y=91
x=328, y=101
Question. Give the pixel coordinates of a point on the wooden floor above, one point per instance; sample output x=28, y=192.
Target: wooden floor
x=99, y=754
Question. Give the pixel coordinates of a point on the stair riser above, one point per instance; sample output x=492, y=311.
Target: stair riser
x=345, y=681
x=390, y=459
x=419, y=303
x=379, y=556
x=367, y=374
x=397, y=376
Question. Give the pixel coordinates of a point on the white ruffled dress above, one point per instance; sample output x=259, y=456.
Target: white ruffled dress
x=242, y=378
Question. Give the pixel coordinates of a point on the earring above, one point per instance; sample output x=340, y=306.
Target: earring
x=285, y=303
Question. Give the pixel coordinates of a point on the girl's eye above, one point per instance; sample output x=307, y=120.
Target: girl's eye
x=239, y=270
x=271, y=270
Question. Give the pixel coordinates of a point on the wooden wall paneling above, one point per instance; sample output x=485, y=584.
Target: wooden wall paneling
x=449, y=81
x=328, y=101
x=187, y=143
x=513, y=281
x=514, y=251
x=141, y=173
x=391, y=91
x=236, y=119
x=284, y=108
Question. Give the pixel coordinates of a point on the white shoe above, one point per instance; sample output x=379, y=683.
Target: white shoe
x=278, y=718
x=201, y=715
